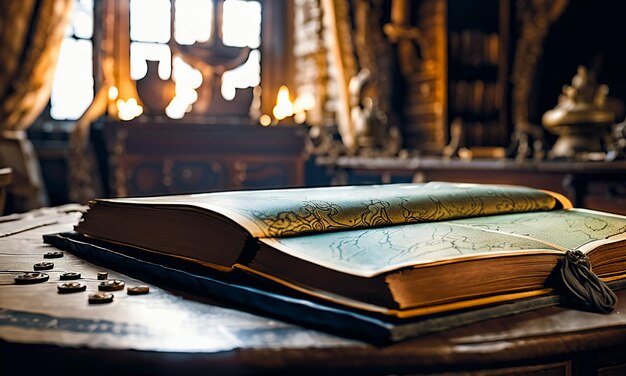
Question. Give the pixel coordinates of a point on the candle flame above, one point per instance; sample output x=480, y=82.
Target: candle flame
x=305, y=102
x=265, y=120
x=113, y=93
x=128, y=109
x=284, y=107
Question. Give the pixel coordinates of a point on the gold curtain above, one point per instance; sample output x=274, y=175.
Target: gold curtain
x=31, y=33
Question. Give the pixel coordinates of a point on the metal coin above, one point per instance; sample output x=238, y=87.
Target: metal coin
x=69, y=287
x=31, y=278
x=138, y=290
x=53, y=255
x=100, y=298
x=111, y=285
x=103, y=275
x=45, y=265
x=69, y=276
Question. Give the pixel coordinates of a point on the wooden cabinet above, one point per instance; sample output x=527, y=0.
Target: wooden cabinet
x=152, y=158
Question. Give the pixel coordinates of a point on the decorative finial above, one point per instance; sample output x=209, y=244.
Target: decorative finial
x=580, y=118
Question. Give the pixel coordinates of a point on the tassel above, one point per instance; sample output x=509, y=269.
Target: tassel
x=584, y=284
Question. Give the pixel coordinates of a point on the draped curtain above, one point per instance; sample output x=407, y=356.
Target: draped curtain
x=31, y=33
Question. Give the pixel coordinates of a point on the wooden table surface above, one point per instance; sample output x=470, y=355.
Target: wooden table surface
x=170, y=332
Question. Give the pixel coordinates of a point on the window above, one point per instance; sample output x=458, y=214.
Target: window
x=151, y=31
x=73, y=85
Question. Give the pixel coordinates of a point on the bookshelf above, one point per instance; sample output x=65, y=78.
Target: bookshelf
x=478, y=68
x=463, y=78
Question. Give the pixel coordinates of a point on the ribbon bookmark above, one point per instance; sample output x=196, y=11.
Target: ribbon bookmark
x=584, y=284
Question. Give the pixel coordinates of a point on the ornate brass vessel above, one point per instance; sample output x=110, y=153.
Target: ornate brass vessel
x=580, y=119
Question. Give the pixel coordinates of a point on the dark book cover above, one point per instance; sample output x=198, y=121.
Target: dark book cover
x=242, y=291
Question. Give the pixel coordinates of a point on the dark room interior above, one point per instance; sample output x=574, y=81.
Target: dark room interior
x=111, y=99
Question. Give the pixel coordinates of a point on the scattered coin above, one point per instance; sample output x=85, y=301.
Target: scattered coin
x=46, y=265
x=31, y=278
x=69, y=287
x=111, y=285
x=53, y=255
x=100, y=298
x=138, y=290
x=103, y=275
x=69, y=276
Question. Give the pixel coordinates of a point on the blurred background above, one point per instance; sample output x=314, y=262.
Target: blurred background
x=106, y=98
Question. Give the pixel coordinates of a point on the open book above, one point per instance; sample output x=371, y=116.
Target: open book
x=402, y=250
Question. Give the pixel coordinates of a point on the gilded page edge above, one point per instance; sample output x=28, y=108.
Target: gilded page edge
x=400, y=313
x=565, y=202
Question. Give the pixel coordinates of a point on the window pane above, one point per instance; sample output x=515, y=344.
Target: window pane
x=242, y=23
x=192, y=21
x=150, y=20
x=247, y=75
x=140, y=52
x=72, y=89
x=186, y=74
x=82, y=19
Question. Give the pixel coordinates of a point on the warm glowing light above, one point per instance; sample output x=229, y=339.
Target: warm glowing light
x=113, y=93
x=265, y=120
x=302, y=104
x=284, y=107
x=187, y=80
x=176, y=109
x=244, y=76
x=299, y=117
x=73, y=86
x=129, y=109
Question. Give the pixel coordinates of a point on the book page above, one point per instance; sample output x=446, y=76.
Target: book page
x=368, y=252
x=567, y=229
x=291, y=212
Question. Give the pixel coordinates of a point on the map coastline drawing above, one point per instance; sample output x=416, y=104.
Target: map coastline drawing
x=373, y=251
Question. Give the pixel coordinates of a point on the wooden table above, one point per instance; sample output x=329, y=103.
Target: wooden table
x=170, y=332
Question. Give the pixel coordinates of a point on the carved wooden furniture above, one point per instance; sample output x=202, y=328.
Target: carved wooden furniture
x=148, y=158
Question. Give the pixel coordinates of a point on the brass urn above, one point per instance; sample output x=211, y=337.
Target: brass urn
x=580, y=119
